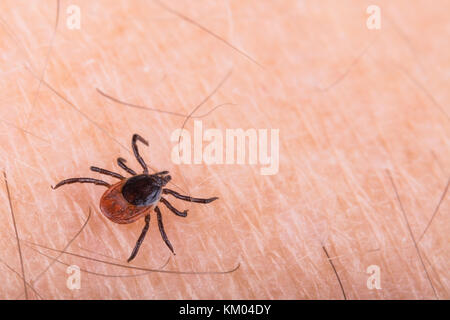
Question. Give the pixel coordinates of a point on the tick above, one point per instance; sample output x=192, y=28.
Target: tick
x=135, y=197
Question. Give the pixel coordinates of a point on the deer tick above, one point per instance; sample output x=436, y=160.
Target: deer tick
x=135, y=197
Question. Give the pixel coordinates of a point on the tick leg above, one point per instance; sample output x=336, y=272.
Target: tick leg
x=161, y=173
x=174, y=210
x=107, y=172
x=141, y=239
x=141, y=161
x=82, y=180
x=161, y=229
x=187, y=198
x=121, y=163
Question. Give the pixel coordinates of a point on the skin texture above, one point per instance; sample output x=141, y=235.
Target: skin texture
x=363, y=119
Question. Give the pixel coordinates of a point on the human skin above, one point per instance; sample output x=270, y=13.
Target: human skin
x=364, y=144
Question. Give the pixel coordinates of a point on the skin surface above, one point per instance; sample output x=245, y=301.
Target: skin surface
x=357, y=110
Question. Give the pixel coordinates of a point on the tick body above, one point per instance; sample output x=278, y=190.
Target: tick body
x=135, y=197
x=130, y=199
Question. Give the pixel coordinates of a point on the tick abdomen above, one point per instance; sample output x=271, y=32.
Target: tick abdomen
x=116, y=208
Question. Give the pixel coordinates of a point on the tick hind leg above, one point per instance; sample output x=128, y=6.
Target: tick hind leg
x=161, y=229
x=81, y=180
x=141, y=161
x=140, y=239
x=188, y=198
x=121, y=163
x=107, y=172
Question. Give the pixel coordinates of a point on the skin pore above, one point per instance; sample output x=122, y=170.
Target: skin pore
x=363, y=147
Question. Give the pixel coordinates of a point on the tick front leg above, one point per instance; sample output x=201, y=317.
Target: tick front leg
x=82, y=180
x=134, y=141
x=121, y=163
x=107, y=172
x=141, y=238
x=173, y=209
x=187, y=198
x=161, y=229
x=160, y=173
